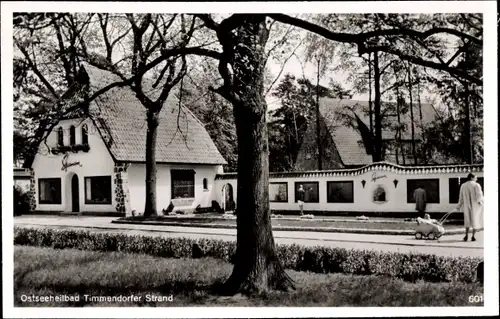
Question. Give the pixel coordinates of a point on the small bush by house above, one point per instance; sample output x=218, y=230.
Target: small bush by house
x=21, y=201
x=410, y=267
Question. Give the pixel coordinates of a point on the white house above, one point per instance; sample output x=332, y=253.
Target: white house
x=94, y=158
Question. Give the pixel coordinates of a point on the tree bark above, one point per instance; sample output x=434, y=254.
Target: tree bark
x=152, y=122
x=467, y=127
x=318, y=128
x=398, y=134
x=422, y=137
x=370, y=106
x=377, y=152
x=412, y=118
x=257, y=267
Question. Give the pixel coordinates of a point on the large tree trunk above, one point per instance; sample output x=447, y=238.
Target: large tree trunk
x=377, y=152
x=152, y=122
x=257, y=267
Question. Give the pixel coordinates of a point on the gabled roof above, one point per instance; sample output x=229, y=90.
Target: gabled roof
x=121, y=120
x=347, y=121
x=348, y=141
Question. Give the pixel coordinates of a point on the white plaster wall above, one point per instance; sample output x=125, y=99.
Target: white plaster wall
x=137, y=182
x=396, y=196
x=96, y=162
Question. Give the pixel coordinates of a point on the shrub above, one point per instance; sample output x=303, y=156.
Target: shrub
x=21, y=201
x=410, y=267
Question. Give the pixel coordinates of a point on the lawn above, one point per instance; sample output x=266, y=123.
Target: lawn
x=191, y=282
x=391, y=225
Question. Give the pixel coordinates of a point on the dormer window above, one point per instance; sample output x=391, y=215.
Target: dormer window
x=60, y=137
x=85, y=134
x=72, y=137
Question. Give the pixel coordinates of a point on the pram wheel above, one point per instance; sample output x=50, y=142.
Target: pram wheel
x=431, y=236
x=439, y=235
x=418, y=235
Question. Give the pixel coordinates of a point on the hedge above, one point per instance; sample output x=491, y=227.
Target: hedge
x=409, y=267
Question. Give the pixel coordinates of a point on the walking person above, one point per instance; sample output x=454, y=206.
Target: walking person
x=420, y=197
x=470, y=201
x=301, y=197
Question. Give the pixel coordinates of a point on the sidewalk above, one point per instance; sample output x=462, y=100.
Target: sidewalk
x=304, y=228
x=448, y=245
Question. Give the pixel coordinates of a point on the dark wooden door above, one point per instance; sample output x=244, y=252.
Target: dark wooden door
x=75, y=195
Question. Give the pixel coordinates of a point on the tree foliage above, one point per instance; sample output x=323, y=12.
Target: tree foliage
x=288, y=123
x=409, y=48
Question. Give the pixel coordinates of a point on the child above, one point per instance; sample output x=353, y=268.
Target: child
x=432, y=221
x=427, y=220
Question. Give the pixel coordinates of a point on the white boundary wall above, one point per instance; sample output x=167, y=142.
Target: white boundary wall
x=387, y=173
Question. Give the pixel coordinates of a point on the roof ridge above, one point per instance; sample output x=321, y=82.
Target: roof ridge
x=119, y=109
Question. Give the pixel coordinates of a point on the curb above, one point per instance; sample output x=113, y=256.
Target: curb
x=96, y=228
x=336, y=220
x=289, y=228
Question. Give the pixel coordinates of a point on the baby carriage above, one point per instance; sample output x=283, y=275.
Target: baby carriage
x=430, y=228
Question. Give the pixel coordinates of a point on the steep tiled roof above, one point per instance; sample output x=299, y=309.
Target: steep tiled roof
x=121, y=120
x=348, y=139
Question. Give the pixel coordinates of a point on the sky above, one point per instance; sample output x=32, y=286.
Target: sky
x=294, y=66
x=300, y=67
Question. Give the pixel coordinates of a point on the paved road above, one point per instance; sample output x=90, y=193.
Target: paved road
x=448, y=245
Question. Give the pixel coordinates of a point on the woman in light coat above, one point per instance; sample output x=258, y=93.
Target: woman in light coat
x=470, y=201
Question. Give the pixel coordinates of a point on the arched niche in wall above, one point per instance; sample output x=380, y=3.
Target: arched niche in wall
x=379, y=194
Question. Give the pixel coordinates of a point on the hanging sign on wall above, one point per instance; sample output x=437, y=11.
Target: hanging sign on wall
x=375, y=177
x=66, y=164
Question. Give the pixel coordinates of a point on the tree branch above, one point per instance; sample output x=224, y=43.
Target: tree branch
x=209, y=22
x=421, y=35
x=385, y=67
x=416, y=60
x=173, y=80
x=291, y=27
x=395, y=85
x=148, y=67
x=231, y=23
x=104, y=25
x=462, y=48
x=35, y=70
x=361, y=38
x=283, y=67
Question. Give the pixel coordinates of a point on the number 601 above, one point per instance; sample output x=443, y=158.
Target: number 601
x=476, y=299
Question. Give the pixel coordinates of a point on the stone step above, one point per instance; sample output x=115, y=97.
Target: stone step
x=70, y=213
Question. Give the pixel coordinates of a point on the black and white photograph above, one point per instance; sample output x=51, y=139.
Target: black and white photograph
x=295, y=159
